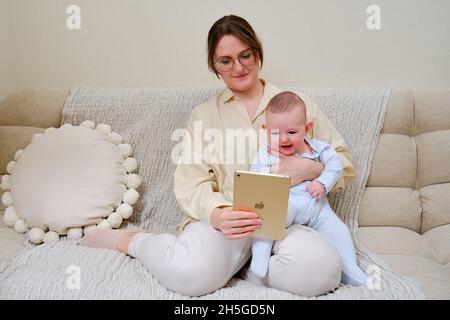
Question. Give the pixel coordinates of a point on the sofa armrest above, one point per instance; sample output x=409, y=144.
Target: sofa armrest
x=25, y=113
x=33, y=107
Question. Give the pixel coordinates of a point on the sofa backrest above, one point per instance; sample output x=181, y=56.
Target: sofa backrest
x=409, y=183
x=25, y=113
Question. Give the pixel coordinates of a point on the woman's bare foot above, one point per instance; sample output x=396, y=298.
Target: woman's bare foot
x=113, y=239
x=124, y=241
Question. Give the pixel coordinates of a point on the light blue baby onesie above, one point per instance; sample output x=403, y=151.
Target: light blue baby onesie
x=306, y=210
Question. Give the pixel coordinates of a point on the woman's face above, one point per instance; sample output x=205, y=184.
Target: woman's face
x=239, y=78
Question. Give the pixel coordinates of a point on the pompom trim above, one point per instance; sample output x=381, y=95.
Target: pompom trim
x=122, y=211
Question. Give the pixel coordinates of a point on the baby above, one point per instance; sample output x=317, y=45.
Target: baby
x=286, y=130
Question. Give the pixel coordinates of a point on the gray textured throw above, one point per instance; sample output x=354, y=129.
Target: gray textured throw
x=146, y=118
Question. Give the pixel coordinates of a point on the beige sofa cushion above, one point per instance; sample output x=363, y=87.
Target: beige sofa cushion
x=13, y=138
x=385, y=206
x=393, y=240
x=432, y=110
x=432, y=276
x=435, y=203
x=411, y=153
x=33, y=107
x=404, y=213
x=433, y=154
x=399, y=117
x=440, y=238
x=394, y=163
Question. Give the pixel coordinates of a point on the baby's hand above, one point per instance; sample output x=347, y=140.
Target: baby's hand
x=316, y=189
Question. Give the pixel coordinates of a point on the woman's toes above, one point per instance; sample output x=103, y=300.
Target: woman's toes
x=110, y=239
x=105, y=239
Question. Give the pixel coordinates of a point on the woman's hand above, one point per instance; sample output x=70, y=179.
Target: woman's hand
x=235, y=224
x=299, y=169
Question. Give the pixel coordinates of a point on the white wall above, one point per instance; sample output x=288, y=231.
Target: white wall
x=7, y=63
x=163, y=42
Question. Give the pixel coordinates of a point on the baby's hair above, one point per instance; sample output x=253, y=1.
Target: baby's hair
x=285, y=102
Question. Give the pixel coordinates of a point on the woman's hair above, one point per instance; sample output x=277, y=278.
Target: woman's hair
x=238, y=27
x=284, y=102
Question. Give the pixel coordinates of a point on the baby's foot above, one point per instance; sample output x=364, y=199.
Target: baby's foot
x=113, y=239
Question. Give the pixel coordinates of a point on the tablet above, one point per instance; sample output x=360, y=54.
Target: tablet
x=265, y=194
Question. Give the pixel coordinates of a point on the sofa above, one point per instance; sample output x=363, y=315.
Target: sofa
x=404, y=213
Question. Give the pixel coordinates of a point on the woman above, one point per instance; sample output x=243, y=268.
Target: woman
x=214, y=242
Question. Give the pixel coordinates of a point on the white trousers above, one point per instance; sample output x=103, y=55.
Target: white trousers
x=201, y=260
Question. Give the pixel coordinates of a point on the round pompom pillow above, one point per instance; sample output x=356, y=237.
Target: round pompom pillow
x=70, y=181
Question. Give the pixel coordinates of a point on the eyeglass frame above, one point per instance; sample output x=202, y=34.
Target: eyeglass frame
x=251, y=51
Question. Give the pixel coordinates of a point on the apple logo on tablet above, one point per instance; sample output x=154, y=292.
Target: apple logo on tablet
x=259, y=205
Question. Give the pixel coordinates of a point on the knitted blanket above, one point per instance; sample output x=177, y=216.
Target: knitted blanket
x=146, y=118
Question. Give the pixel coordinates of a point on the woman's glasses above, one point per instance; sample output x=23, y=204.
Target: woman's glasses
x=246, y=58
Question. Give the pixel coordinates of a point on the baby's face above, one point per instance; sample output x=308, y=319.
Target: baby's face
x=286, y=131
